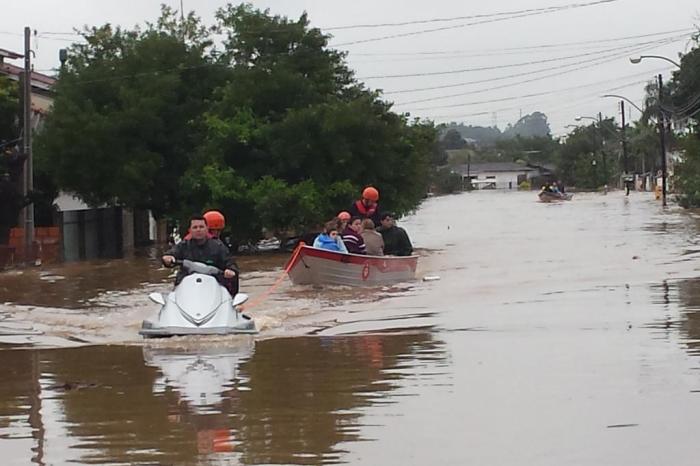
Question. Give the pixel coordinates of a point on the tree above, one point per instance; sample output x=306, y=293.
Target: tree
x=9, y=111
x=529, y=126
x=452, y=140
x=588, y=156
x=125, y=119
x=296, y=133
x=273, y=129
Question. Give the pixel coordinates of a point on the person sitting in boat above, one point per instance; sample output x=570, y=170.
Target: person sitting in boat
x=396, y=241
x=201, y=248
x=352, y=237
x=330, y=238
x=343, y=217
x=368, y=206
x=555, y=188
x=373, y=239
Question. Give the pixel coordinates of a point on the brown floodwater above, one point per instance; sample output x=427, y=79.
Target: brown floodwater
x=558, y=334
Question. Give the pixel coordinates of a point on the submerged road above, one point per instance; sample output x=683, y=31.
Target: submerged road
x=558, y=334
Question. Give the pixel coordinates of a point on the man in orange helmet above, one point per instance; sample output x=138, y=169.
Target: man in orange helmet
x=368, y=206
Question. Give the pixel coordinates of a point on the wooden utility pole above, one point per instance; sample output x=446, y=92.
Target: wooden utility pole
x=662, y=141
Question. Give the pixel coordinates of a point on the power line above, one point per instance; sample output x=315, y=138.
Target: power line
x=511, y=65
x=517, y=97
x=437, y=20
x=474, y=23
x=529, y=47
x=501, y=78
x=480, y=91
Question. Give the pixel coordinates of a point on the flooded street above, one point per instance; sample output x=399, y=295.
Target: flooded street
x=558, y=334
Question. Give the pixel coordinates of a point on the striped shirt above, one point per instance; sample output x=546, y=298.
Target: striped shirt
x=354, y=242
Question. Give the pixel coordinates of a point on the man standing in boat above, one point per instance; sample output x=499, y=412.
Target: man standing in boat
x=368, y=206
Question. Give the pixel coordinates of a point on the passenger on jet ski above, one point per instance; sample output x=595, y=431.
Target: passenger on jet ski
x=201, y=248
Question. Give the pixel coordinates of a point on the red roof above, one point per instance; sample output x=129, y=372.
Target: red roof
x=38, y=80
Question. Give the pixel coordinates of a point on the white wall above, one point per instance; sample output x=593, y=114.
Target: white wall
x=504, y=180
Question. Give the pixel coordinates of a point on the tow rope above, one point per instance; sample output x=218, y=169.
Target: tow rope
x=266, y=294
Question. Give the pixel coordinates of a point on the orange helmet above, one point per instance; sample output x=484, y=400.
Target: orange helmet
x=215, y=220
x=370, y=193
x=344, y=216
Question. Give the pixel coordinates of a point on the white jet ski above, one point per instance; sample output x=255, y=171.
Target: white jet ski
x=199, y=305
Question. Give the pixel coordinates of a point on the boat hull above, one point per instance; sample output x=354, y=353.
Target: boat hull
x=312, y=266
x=554, y=197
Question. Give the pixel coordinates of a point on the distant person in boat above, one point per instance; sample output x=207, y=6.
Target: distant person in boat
x=555, y=188
x=201, y=248
x=396, y=241
x=330, y=238
x=352, y=237
x=368, y=206
x=373, y=239
x=561, y=187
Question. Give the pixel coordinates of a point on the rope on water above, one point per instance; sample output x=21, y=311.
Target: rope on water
x=266, y=294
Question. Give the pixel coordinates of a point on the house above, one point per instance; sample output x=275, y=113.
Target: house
x=499, y=175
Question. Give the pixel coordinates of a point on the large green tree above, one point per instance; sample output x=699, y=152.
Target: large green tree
x=295, y=135
x=272, y=128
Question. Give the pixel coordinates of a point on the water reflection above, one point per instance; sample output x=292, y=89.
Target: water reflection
x=291, y=401
x=689, y=325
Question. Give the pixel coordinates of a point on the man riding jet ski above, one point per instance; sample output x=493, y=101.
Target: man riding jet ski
x=201, y=302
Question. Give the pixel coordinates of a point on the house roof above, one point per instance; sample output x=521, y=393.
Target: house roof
x=4, y=53
x=39, y=80
x=476, y=168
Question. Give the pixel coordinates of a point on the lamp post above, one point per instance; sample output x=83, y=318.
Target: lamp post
x=636, y=60
x=661, y=121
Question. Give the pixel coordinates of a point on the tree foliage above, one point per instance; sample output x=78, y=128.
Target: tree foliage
x=272, y=128
x=9, y=110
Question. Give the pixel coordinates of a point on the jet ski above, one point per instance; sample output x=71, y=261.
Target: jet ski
x=199, y=305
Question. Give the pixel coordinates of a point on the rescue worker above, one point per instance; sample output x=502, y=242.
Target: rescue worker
x=368, y=206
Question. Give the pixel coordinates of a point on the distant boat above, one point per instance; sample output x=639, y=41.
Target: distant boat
x=547, y=196
x=313, y=266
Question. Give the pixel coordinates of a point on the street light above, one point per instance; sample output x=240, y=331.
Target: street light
x=637, y=60
x=661, y=121
x=617, y=96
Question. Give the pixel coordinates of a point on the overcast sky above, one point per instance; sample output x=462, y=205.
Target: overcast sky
x=535, y=61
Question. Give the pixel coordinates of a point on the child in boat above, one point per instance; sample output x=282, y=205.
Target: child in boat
x=330, y=239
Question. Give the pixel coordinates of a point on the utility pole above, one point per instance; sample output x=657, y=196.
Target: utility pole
x=602, y=148
x=624, y=149
x=28, y=179
x=662, y=140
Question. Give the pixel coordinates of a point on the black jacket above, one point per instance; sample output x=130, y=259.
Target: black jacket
x=396, y=242
x=210, y=252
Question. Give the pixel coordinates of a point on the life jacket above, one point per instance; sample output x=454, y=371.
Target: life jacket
x=326, y=242
x=364, y=211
